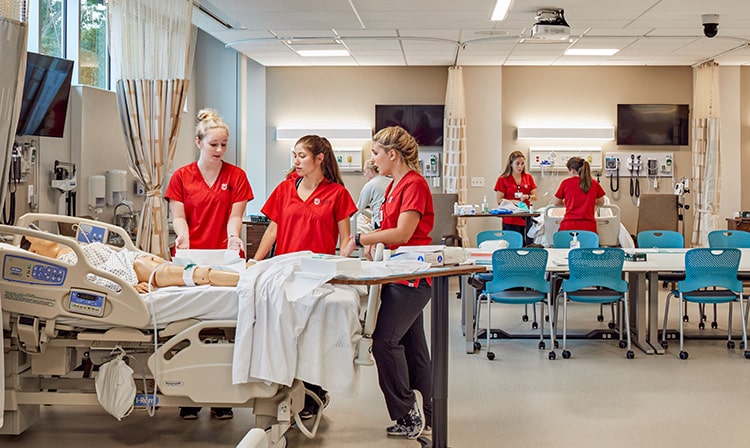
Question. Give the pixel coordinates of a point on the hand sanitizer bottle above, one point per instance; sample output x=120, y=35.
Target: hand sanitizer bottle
x=574, y=243
x=485, y=205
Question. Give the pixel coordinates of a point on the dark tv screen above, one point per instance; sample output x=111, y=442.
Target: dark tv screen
x=424, y=122
x=652, y=124
x=46, y=90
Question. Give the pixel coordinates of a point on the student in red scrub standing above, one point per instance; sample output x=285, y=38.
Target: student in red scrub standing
x=580, y=194
x=517, y=186
x=399, y=343
x=309, y=210
x=207, y=199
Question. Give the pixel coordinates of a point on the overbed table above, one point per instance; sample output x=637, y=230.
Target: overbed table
x=439, y=336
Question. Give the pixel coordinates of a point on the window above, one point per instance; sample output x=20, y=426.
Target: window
x=92, y=55
x=52, y=28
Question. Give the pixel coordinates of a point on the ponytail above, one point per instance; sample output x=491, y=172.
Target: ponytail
x=583, y=169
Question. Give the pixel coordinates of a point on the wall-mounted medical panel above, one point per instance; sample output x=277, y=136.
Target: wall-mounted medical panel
x=555, y=158
x=639, y=164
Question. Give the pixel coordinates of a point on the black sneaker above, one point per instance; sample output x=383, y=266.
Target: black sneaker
x=415, y=418
x=311, y=406
x=222, y=413
x=189, y=413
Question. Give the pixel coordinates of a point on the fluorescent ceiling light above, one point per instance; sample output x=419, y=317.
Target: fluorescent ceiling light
x=322, y=53
x=591, y=51
x=502, y=7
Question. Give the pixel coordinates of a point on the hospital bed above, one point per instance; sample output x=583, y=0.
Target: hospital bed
x=58, y=325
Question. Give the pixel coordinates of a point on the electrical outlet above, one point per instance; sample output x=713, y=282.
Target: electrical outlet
x=477, y=181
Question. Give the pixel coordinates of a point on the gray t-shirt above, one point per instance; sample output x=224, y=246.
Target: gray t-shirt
x=373, y=195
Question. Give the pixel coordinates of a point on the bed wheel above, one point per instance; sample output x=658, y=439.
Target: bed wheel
x=281, y=443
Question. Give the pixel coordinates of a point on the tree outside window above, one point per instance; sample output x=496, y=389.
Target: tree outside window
x=92, y=57
x=51, y=36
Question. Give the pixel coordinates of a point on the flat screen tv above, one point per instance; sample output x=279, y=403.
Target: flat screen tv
x=652, y=124
x=46, y=90
x=423, y=121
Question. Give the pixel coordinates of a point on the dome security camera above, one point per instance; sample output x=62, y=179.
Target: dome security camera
x=710, y=24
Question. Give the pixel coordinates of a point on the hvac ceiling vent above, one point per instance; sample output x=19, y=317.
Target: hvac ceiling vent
x=550, y=25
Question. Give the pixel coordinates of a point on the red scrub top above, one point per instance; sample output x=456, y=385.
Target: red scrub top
x=508, y=186
x=410, y=193
x=579, y=206
x=207, y=209
x=311, y=224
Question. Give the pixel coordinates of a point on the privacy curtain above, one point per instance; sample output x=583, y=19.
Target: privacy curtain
x=706, y=148
x=152, y=43
x=13, y=34
x=454, y=166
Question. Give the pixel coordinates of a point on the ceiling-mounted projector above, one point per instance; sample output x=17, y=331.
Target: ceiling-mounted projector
x=550, y=25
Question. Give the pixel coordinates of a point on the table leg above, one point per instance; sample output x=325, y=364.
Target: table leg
x=467, y=312
x=653, y=313
x=439, y=348
x=638, y=302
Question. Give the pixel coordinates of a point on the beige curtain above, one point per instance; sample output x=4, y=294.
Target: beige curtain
x=13, y=34
x=705, y=148
x=152, y=44
x=454, y=166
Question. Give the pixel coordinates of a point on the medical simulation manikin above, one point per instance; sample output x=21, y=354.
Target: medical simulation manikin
x=137, y=267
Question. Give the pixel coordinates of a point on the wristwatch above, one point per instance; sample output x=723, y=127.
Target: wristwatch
x=356, y=240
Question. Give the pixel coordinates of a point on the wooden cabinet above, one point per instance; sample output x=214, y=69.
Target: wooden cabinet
x=738, y=224
x=253, y=234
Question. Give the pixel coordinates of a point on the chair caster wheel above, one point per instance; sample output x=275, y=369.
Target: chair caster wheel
x=525, y=318
x=557, y=344
x=622, y=344
x=546, y=318
x=553, y=355
x=730, y=344
x=534, y=325
x=742, y=345
x=566, y=354
x=600, y=318
x=747, y=354
x=477, y=346
x=714, y=325
x=686, y=318
x=611, y=325
x=490, y=356
x=664, y=345
x=683, y=355
x=630, y=354
x=701, y=326
x=542, y=346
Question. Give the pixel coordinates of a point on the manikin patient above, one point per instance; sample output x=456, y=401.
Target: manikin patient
x=134, y=267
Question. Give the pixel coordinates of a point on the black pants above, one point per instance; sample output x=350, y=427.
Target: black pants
x=400, y=348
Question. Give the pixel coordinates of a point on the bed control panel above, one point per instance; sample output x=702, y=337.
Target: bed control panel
x=86, y=302
x=17, y=268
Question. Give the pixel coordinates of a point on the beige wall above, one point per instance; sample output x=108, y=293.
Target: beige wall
x=570, y=96
x=744, y=95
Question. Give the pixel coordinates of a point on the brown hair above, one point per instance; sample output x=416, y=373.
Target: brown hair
x=512, y=158
x=399, y=140
x=208, y=119
x=584, y=172
x=320, y=145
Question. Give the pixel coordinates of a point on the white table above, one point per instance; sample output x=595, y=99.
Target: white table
x=644, y=303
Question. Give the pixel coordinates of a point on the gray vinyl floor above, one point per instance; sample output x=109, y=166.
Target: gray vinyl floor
x=521, y=399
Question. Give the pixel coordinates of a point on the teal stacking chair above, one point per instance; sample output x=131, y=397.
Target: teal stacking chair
x=515, y=240
x=737, y=239
x=596, y=277
x=666, y=239
x=518, y=278
x=711, y=278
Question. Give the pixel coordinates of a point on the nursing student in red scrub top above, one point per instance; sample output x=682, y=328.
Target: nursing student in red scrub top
x=580, y=194
x=207, y=199
x=399, y=342
x=309, y=210
x=516, y=185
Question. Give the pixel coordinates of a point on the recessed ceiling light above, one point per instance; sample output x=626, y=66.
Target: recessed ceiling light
x=591, y=51
x=500, y=12
x=322, y=53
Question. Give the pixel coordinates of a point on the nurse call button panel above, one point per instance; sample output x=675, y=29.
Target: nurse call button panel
x=17, y=268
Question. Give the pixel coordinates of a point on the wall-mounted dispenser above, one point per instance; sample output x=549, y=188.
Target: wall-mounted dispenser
x=97, y=192
x=117, y=186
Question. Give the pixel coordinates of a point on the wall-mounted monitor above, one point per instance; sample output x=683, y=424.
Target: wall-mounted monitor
x=653, y=124
x=423, y=121
x=46, y=90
